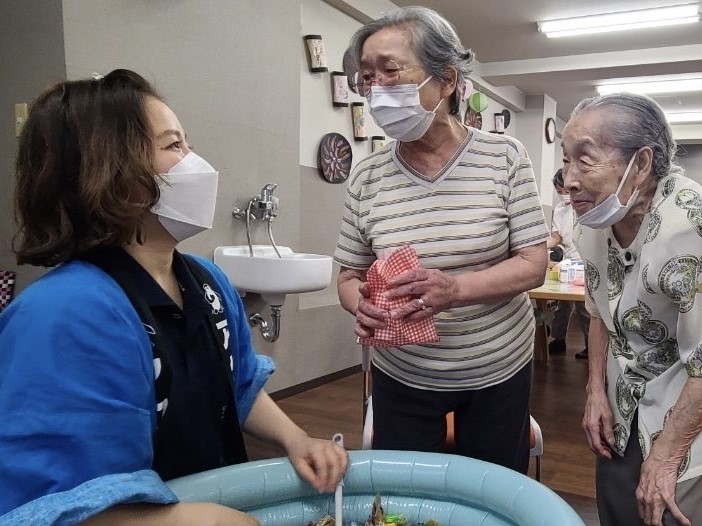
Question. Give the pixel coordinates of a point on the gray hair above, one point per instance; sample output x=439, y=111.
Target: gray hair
x=432, y=38
x=640, y=122
x=558, y=179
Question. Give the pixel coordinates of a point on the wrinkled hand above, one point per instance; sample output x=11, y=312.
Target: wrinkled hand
x=433, y=291
x=320, y=462
x=656, y=491
x=597, y=423
x=368, y=316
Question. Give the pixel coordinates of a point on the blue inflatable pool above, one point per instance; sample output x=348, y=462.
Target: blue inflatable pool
x=455, y=491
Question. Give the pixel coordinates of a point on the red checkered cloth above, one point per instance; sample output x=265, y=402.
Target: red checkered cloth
x=397, y=332
x=7, y=287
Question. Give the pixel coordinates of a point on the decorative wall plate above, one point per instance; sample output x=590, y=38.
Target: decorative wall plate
x=334, y=158
x=474, y=119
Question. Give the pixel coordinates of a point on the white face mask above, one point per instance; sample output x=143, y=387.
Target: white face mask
x=610, y=211
x=188, y=197
x=565, y=198
x=398, y=111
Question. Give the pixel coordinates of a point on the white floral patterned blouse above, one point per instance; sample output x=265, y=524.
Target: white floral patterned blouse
x=649, y=297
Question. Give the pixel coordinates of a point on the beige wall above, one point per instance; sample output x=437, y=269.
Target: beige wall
x=31, y=59
x=690, y=158
x=231, y=71
x=530, y=130
x=228, y=71
x=317, y=114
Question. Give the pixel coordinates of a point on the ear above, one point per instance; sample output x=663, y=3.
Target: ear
x=448, y=88
x=644, y=164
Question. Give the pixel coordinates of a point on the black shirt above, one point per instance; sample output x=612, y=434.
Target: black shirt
x=192, y=435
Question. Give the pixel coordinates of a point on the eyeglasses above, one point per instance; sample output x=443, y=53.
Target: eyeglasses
x=386, y=74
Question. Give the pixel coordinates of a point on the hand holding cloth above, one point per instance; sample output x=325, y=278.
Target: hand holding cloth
x=397, y=331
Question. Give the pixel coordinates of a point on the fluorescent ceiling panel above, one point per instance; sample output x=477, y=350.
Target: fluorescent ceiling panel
x=652, y=87
x=644, y=18
x=684, y=117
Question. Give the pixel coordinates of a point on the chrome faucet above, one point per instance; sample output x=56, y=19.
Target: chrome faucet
x=262, y=207
x=267, y=192
x=265, y=207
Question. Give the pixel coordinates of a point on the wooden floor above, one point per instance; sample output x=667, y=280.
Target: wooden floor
x=558, y=397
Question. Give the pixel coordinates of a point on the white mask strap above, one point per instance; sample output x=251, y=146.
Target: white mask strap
x=422, y=85
x=425, y=81
x=626, y=173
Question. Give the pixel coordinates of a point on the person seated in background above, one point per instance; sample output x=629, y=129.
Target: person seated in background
x=130, y=363
x=562, y=236
x=639, y=232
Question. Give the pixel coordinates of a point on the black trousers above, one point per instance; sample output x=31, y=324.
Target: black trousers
x=491, y=424
x=617, y=480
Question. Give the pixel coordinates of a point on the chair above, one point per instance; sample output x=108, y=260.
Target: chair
x=543, y=317
x=536, y=439
x=7, y=287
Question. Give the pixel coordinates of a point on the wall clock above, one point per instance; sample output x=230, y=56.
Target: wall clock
x=473, y=119
x=550, y=130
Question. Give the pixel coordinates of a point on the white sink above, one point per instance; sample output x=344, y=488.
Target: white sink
x=270, y=276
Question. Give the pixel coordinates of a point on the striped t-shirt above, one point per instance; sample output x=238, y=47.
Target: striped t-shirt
x=482, y=206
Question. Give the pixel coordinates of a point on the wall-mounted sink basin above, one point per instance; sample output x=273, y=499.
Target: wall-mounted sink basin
x=270, y=276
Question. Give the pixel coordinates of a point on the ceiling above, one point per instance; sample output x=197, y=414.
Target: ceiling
x=512, y=52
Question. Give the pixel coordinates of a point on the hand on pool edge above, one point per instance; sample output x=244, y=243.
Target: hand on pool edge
x=322, y=463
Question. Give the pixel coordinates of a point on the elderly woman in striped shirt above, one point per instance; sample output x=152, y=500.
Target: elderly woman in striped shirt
x=466, y=201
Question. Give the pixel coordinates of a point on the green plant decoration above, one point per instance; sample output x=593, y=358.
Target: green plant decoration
x=478, y=102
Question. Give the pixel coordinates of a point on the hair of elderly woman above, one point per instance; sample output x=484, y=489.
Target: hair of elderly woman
x=639, y=122
x=432, y=38
x=84, y=169
x=557, y=179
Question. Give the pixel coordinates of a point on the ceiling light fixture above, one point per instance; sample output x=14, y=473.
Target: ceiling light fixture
x=684, y=117
x=652, y=87
x=640, y=19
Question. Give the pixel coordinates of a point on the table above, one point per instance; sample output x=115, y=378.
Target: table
x=555, y=290
x=550, y=290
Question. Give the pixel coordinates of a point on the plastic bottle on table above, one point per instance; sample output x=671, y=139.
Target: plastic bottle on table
x=579, y=274
x=564, y=271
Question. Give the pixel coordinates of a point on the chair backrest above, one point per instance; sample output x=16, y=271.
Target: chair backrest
x=7, y=287
x=536, y=438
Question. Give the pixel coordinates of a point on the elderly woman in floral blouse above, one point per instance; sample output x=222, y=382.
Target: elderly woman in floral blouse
x=640, y=233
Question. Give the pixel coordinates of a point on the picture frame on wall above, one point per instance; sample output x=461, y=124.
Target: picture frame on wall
x=316, y=53
x=358, y=113
x=340, y=89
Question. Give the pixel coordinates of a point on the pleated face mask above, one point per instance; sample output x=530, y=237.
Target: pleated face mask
x=611, y=210
x=399, y=112
x=188, y=197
